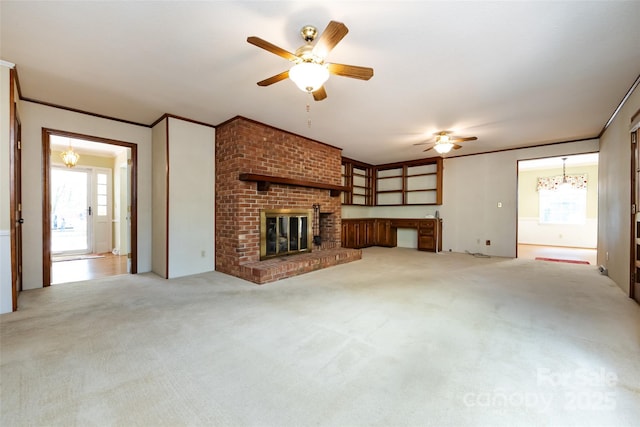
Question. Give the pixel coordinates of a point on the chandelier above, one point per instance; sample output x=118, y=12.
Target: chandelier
x=70, y=158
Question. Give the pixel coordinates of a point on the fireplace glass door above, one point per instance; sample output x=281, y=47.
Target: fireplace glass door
x=284, y=232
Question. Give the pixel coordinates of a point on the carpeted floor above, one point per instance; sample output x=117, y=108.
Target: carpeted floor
x=400, y=338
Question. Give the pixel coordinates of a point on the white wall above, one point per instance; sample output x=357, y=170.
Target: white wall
x=531, y=232
x=614, y=205
x=159, y=199
x=35, y=117
x=472, y=187
x=6, y=300
x=191, y=198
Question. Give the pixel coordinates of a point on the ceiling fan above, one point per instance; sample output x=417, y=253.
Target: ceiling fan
x=444, y=142
x=310, y=71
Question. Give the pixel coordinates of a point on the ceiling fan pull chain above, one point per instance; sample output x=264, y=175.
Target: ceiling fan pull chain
x=309, y=115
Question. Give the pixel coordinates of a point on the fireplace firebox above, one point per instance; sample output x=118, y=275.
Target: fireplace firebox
x=285, y=232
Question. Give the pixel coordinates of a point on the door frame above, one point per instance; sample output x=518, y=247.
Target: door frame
x=634, y=139
x=46, y=196
x=15, y=197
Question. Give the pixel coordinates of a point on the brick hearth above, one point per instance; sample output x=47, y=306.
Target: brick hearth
x=244, y=146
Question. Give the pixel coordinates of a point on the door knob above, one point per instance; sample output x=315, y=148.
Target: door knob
x=21, y=221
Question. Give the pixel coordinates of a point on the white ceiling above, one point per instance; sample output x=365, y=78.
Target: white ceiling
x=511, y=73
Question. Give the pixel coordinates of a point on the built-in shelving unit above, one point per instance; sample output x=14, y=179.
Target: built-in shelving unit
x=359, y=178
x=417, y=182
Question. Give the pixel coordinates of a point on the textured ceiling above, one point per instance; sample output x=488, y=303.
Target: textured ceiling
x=511, y=73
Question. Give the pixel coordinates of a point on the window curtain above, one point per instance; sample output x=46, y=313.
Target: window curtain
x=577, y=182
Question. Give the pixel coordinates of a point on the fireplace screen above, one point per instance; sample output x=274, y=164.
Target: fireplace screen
x=284, y=232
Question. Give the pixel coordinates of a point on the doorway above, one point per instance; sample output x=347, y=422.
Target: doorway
x=89, y=209
x=70, y=211
x=558, y=208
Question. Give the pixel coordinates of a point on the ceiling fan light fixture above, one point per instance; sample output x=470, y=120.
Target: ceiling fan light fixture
x=70, y=158
x=442, y=139
x=309, y=76
x=443, y=147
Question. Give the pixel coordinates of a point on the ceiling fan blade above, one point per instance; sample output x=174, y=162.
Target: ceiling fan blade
x=320, y=94
x=263, y=44
x=469, y=138
x=428, y=148
x=353, y=71
x=274, y=79
x=457, y=147
x=329, y=38
x=422, y=143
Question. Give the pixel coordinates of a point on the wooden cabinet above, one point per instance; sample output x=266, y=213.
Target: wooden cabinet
x=358, y=233
x=385, y=234
x=365, y=232
x=429, y=235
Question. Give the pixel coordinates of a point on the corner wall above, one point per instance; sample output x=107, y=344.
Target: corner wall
x=614, y=225
x=191, y=198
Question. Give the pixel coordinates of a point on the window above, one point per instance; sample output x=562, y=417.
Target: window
x=102, y=194
x=563, y=206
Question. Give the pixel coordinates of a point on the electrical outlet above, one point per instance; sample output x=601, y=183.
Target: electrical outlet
x=202, y=254
x=488, y=243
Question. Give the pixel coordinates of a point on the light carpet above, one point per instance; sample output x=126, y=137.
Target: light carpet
x=400, y=338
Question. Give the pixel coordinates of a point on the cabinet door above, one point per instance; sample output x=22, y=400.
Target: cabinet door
x=426, y=243
x=370, y=233
x=349, y=234
x=385, y=235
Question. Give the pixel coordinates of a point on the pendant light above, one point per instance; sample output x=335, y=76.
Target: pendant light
x=565, y=184
x=70, y=158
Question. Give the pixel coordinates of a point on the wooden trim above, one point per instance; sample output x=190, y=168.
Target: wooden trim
x=173, y=116
x=265, y=180
x=75, y=110
x=12, y=193
x=635, y=120
x=277, y=129
x=166, y=235
x=417, y=162
x=620, y=105
x=46, y=196
x=134, y=208
x=527, y=147
x=46, y=208
x=633, y=240
x=356, y=162
x=17, y=80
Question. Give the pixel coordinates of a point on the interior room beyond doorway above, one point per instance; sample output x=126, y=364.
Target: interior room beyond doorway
x=558, y=208
x=90, y=205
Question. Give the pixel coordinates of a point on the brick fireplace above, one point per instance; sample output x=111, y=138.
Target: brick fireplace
x=301, y=173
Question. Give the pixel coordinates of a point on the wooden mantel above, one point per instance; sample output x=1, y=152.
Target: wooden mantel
x=264, y=181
